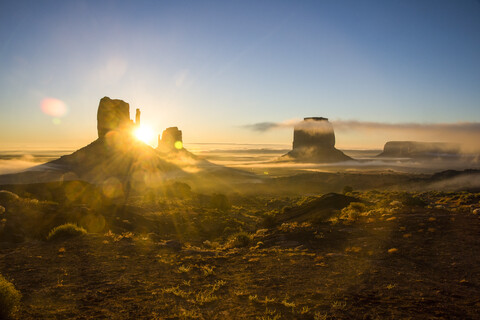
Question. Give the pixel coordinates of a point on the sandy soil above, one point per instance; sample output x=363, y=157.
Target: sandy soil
x=418, y=264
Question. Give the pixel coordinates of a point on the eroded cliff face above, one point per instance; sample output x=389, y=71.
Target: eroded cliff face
x=314, y=141
x=112, y=114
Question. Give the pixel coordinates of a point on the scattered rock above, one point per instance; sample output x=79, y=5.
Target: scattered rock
x=172, y=244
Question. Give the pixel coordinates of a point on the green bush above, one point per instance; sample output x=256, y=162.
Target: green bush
x=9, y=298
x=65, y=231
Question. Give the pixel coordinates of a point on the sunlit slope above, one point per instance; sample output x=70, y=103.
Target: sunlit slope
x=205, y=175
x=118, y=156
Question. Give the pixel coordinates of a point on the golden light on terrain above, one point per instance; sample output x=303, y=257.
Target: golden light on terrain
x=145, y=134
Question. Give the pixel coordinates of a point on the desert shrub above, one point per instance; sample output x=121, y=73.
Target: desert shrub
x=9, y=298
x=347, y=189
x=211, y=244
x=65, y=231
x=286, y=209
x=228, y=231
x=269, y=221
x=412, y=201
x=240, y=240
x=7, y=196
x=220, y=201
x=295, y=227
x=179, y=190
x=353, y=211
x=303, y=200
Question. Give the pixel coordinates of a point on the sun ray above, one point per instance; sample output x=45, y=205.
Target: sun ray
x=145, y=134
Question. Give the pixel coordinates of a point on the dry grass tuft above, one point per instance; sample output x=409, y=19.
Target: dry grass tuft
x=65, y=231
x=9, y=298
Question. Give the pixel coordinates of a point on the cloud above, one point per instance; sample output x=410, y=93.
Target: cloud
x=458, y=127
x=266, y=126
x=464, y=133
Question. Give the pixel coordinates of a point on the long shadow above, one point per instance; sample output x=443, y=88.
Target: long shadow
x=426, y=267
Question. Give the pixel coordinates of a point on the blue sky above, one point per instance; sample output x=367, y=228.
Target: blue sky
x=211, y=67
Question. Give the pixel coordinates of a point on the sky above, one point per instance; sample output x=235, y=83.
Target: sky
x=217, y=68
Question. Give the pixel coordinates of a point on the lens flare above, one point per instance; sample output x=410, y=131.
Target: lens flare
x=53, y=107
x=178, y=145
x=145, y=134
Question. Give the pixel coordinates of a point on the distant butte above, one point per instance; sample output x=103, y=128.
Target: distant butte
x=171, y=140
x=416, y=149
x=314, y=141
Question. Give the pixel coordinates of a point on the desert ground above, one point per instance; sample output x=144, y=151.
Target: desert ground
x=378, y=253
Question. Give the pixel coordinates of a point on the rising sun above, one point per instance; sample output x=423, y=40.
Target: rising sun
x=145, y=134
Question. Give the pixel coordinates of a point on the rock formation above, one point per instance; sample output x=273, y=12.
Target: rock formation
x=171, y=139
x=112, y=114
x=118, y=163
x=314, y=141
x=415, y=149
x=137, y=118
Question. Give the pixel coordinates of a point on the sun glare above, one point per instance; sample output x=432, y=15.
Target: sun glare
x=145, y=134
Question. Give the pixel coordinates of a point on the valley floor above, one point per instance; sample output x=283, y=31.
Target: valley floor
x=413, y=264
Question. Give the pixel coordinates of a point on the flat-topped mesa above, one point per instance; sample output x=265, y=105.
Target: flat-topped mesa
x=171, y=139
x=416, y=149
x=314, y=141
x=313, y=132
x=315, y=118
x=112, y=114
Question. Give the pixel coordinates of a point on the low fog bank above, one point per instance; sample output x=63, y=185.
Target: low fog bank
x=15, y=165
x=464, y=133
x=16, y=161
x=378, y=166
x=263, y=161
x=461, y=181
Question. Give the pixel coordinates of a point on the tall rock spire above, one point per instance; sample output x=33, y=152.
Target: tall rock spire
x=137, y=118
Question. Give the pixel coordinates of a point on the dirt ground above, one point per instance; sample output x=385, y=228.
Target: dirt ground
x=417, y=264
